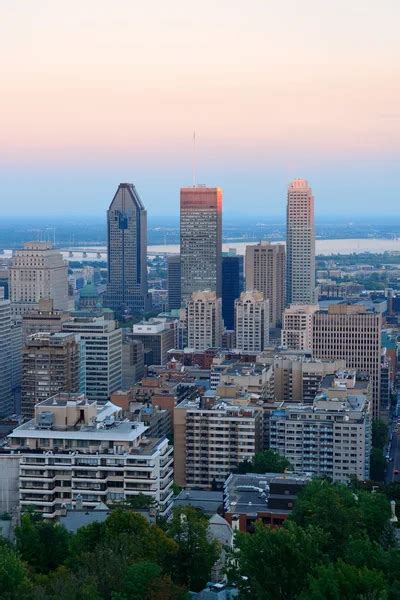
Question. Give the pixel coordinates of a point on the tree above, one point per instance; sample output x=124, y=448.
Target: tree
x=379, y=434
x=42, y=544
x=196, y=554
x=377, y=465
x=145, y=580
x=340, y=581
x=14, y=582
x=274, y=563
x=264, y=462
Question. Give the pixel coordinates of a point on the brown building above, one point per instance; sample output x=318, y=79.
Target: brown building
x=43, y=318
x=50, y=364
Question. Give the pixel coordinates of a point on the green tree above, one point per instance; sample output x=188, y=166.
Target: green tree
x=42, y=544
x=145, y=580
x=264, y=462
x=379, y=434
x=275, y=563
x=196, y=554
x=377, y=465
x=340, y=581
x=14, y=582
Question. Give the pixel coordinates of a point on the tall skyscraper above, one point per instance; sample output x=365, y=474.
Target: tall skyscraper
x=201, y=240
x=6, y=397
x=232, y=286
x=204, y=321
x=300, y=244
x=38, y=272
x=127, y=252
x=251, y=321
x=265, y=272
x=174, y=282
x=352, y=333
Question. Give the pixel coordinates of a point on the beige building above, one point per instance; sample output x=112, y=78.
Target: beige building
x=265, y=272
x=204, y=321
x=212, y=436
x=352, y=333
x=300, y=243
x=38, y=271
x=297, y=326
x=251, y=321
x=74, y=451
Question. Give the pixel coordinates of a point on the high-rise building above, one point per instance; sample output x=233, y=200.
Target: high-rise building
x=50, y=364
x=300, y=244
x=43, y=318
x=6, y=396
x=102, y=347
x=16, y=364
x=201, y=240
x=297, y=326
x=38, y=271
x=265, y=272
x=352, y=333
x=132, y=361
x=232, y=286
x=127, y=251
x=103, y=458
x=174, y=282
x=157, y=337
x=251, y=321
x=204, y=320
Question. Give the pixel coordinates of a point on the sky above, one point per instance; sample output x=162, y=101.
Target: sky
x=94, y=92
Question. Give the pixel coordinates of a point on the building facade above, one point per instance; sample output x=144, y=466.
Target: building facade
x=204, y=321
x=174, y=282
x=251, y=321
x=200, y=240
x=127, y=252
x=297, y=326
x=157, y=337
x=43, y=318
x=232, y=287
x=265, y=272
x=300, y=244
x=6, y=396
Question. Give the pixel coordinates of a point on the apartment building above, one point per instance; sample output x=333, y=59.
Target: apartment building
x=212, y=436
x=251, y=321
x=204, y=320
x=252, y=378
x=75, y=451
x=331, y=438
x=297, y=326
x=44, y=317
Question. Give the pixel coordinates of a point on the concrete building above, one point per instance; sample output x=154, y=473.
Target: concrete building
x=102, y=347
x=297, y=326
x=204, y=320
x=44, y=318
x=38, y=271
x=132, y=361
x=251, y=321
x=174, y=282
x=300, y=244
x=16, y=364
x=6, y=395
x=352, y=333
x=265, y=272
x=232, y=287
x=212, y=436
x=200, y=240
x=9, y=483
x=297, y=377
x=127, y=252
x=75, y=452
x=331, y=438
x=51, y=363
x=157, y=337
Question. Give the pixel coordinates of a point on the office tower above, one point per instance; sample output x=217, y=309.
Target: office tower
x=102, y=347
x=127, y=252
x=6, y=397
x=352, y=333
x=43, y=318
x=212, y=436
x=132, y=361
x=251, y=321
x=174, y=282
x=37, y=272
x=201, y=240
x=50, y=364
x=300, y=244
x=204, y=321
x=331, y=438
x=232, y=287
x=265, y=272
x=297, y=326
x=297, y=377
x=157, y=337
x=91, y=442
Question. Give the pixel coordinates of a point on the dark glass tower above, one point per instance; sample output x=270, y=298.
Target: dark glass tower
x=232, y=286
x=174, y=282
x=127, y=252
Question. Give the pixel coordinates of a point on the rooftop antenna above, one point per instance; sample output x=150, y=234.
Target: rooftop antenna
x=194, y=159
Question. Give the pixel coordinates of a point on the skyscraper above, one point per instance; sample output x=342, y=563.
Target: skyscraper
x=204, y=320
x=232, y=286
x=127, y=251
x=174, y=282
x=201, y=240
x=265, y=272
x=251, y=321
x=300, y=244
x=6, y=398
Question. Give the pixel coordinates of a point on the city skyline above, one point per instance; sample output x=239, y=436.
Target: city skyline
x=300, y=96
